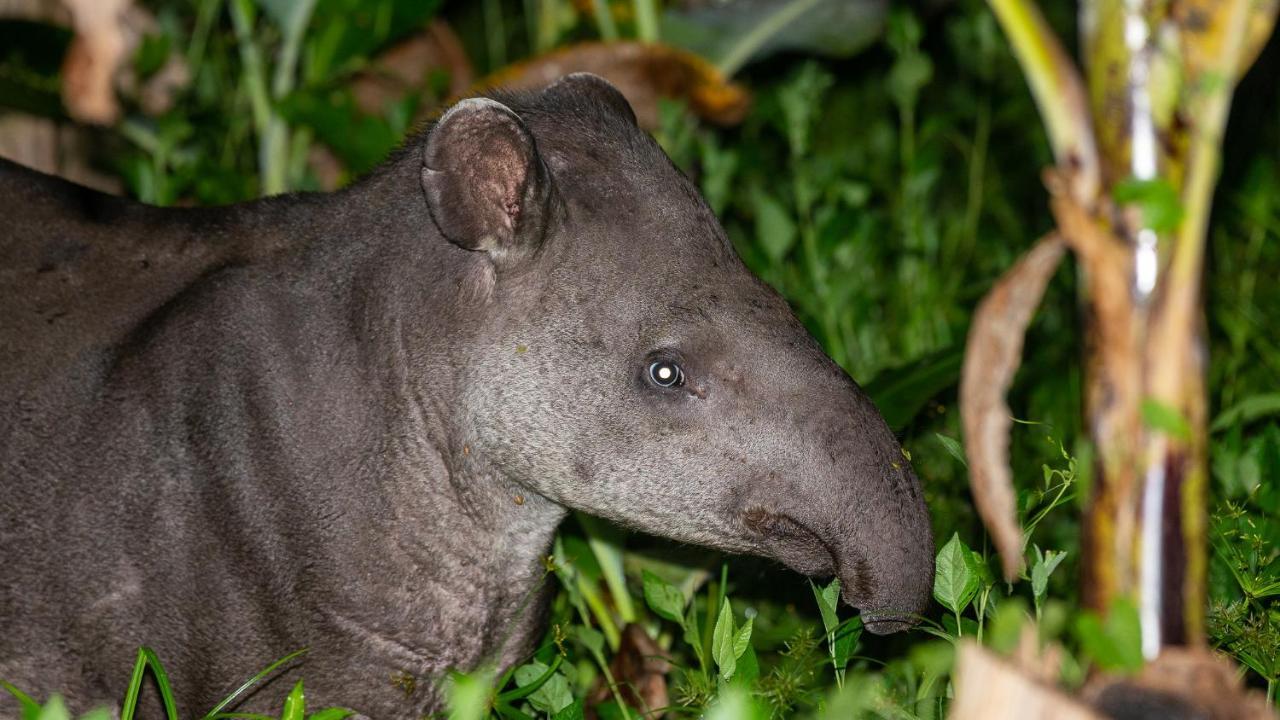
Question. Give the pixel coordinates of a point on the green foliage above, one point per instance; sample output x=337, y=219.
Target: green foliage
x=1157, y=199
x=955, y=580
x=882, y=196
x=294, y=706
x=1113, y=642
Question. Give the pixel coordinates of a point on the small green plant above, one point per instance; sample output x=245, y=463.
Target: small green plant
x=294, y=707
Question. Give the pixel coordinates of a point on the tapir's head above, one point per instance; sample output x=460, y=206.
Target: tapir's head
x=630, y=366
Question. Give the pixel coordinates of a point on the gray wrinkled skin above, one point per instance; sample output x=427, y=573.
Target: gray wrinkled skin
x=353, y=421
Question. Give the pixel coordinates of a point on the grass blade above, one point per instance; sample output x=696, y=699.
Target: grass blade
x=147, y=656
x=30, y=708
x=212, y=714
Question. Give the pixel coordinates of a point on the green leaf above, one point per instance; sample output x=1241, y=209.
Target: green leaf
x=828, y=602
x=900, y=393
x=690, y=633
x=735, y=703
x=722, y=642
x=1158, y=416
x=1115, y=644
x=908, y=76
x=663, y=598
x=742, y=640
x=1006, y=625
x=801, y=101
x=954, y=581
x=732, y=34
x=552, y=695
x=244, y=687
x=54, y=709
x=748, y=668
x=1157, y=200
x=30, y=708
x=1044, y=565
x=289, y=15
x=953, y=447
x=469, y=695
x=775, y=230
x=147, y=658
x=1247, y=411
x=591, y=639
x=295, y=704
x=844, y=641
x=572, y=711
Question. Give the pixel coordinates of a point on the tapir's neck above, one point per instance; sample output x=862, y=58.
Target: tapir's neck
x=468, y=542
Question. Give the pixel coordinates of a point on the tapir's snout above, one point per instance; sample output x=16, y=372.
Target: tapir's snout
x=850, y=507
x=885, y=560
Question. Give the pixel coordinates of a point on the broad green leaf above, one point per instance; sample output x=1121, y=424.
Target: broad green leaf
x=828, y=601
x=954, y=579
x=295, y=704
x=572, y=711
x=98, y=714
x=722, y=642
x=553, y=695
x=663, y=598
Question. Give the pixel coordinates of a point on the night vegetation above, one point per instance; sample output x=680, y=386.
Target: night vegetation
x=882, y=180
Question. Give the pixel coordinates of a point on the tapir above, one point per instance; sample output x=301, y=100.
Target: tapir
x=352, y=421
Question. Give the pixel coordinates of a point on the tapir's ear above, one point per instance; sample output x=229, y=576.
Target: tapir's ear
x=592, y=88
x=486, y=186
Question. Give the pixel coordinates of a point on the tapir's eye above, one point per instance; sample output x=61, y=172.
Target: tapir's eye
x=665, y=374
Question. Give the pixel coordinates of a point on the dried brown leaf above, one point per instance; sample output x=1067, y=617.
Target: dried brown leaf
x=644, y=72
x=99, y=48
x=640, y=668
x=406, y=67
x=992, y=355
x=989, y=688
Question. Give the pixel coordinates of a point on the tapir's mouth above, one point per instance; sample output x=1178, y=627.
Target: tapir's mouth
x=887, y=623
x=790, y=542
x=802, y=549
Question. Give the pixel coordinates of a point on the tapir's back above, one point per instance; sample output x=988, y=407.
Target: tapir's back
x=80, y=270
